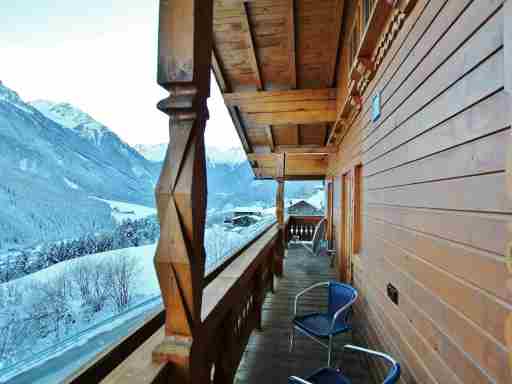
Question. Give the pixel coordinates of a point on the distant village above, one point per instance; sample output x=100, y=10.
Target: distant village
x=247, y=216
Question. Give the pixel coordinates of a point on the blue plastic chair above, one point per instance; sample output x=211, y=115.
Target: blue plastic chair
x=322, y=327
x=335, y=376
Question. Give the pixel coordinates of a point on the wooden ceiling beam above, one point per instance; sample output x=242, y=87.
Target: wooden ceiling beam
x=245, y=98
x=291, y=44
x=262, y=175
x=289, y=106
x=250, y=42
x=304, y=149
x=273, y=157
x=292, y=117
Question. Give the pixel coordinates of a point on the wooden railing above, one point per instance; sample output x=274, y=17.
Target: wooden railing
x=231, y=310
x=301, y=228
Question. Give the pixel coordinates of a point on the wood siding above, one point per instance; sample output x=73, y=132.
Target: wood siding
x=435, y=211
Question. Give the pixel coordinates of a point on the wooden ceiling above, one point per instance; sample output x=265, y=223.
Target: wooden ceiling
x=275, y=62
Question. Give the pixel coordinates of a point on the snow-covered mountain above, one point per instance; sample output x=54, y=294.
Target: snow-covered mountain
x=152, y=152
x=231, y=181
x=214, y=155
x=54, y=157
x=230, y=178
x=70, y=117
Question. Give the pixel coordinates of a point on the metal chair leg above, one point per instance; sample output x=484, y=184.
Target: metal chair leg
x=329, y=352
x=292, y=338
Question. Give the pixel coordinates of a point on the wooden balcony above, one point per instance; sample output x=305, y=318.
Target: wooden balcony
x=266, y=358
x=301, y=228
x=247, y=314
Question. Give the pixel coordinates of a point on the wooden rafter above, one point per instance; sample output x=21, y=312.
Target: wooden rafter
x=240, y=129
x=270, y=137
x=340, y=5
x=219, y=73
x=250, y=42
x=233, y=112
x=291, y=44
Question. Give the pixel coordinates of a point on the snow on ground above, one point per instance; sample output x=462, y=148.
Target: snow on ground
x=70, y=184
x=147, y=283
x=122, y=211
x=86, y=335
x=145, y=295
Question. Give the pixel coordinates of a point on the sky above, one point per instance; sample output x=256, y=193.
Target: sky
x=99, y=55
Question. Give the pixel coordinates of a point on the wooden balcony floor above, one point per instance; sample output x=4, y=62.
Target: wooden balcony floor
x=266, y=359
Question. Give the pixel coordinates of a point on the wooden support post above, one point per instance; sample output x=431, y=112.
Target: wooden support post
x=329, y=209
x=184, y=59
x=280, y=246
x=507, y=14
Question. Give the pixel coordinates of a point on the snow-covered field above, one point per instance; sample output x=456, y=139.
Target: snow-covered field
x=146, y=281
x=75, y=297
x=123, y=211
x=58, y=309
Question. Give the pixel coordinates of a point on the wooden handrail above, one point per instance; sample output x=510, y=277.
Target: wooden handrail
x=229, y=259
x=105, y=362
x=232, y=304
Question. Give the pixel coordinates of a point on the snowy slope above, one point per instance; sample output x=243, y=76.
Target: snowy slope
x=59, y=167
x=147, y=283
x=152, y=152
x=122, y=211
x=40, y=296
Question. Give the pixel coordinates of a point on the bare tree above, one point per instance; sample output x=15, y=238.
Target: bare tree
x=91, y=278
x=54, y=310
x=121, y=273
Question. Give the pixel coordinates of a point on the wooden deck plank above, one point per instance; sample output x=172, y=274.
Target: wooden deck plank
x=266, y=358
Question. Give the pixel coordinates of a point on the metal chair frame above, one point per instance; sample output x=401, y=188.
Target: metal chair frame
x=371, y=352
x=313, y=246
x=335, y=317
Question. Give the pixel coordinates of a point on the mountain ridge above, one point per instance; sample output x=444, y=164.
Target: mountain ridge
x=49, y=172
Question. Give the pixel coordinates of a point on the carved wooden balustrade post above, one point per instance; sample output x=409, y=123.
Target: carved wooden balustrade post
x=184, y=54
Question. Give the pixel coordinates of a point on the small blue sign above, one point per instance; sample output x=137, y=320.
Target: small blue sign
x=376, y=107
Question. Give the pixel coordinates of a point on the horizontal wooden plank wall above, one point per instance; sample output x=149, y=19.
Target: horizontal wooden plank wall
x=435, y=208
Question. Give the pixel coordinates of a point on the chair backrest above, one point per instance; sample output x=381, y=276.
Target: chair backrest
x=394, y=371
x=340, y=295
x=393, y=374
x=318, y=236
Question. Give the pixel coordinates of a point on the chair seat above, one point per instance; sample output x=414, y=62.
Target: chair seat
x=324, y=376
x=319, y=324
